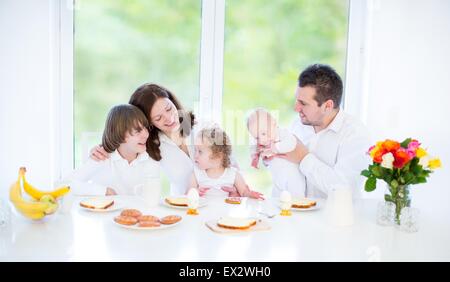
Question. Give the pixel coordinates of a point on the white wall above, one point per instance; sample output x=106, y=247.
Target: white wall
x=31, y=90
x=404, y=67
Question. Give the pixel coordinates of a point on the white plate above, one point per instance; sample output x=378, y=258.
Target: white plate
x=116, y=206
x=202, y=202
x=136, y=227
x=318, y=206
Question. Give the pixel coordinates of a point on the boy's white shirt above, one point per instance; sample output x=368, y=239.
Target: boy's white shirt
x=93, y=177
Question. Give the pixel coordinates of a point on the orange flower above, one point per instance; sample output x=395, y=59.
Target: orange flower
x=391, y=145
x=401, y=158
x=376, y=152
x=378, y=156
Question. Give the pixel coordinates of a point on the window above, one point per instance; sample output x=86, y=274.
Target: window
x=122, y=44
x=266, y=47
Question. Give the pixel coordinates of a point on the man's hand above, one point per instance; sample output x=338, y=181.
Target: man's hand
x=297, y=155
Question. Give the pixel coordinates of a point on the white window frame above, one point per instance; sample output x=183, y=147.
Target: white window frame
x=358, y=61
x=211, y=60
x=66, y=87
x=62, y=84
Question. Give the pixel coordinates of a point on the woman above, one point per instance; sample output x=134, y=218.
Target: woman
x=170, y=141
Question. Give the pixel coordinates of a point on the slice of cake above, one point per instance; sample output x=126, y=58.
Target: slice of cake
x=303, y=203
x=97, y=203
x=236, y=223
x=177, y=201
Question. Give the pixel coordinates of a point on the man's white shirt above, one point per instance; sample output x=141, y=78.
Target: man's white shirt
x=336, y=157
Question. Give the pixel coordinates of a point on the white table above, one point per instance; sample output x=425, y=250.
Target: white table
x=305, y=236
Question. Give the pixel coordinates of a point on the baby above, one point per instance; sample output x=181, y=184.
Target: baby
x=272, y=140
x=212, y=169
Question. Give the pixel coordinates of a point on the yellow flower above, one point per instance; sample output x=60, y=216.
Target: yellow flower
x=421, y=153
x=376, y=149
x=434, y=163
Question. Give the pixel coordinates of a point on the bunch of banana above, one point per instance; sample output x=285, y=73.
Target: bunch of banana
x=38, y=194
x=36, y=208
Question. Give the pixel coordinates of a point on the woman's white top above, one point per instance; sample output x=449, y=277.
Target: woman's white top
x=176, y=164
x=226, y=179
x=93, y=177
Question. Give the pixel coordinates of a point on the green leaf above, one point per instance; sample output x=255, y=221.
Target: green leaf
x=366, y=173
x=421, y=180
x=416, y=169
x=388, y=198
x=408, y=177
x=377, y=172
x=388, y=178
x=405, y=143
x=371, y=184
x=406, y=167
x=394, y=184
x=415, y=161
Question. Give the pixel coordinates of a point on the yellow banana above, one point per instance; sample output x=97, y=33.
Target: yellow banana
x=36, y=193
x=29, y=209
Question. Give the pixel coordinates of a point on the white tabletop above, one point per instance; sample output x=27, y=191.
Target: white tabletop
x=80, y=235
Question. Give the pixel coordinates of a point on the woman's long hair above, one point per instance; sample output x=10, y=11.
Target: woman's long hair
x=144, y=98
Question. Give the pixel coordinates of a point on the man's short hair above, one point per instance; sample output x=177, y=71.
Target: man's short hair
x=325, y=80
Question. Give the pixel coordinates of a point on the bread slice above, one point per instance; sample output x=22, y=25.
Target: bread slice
x=236, y=223
x=177, y=201
x=97, y=203
x=303, y=203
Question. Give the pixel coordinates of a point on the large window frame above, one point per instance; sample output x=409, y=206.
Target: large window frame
x=211, y=67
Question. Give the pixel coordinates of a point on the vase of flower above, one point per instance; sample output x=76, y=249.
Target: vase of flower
x=400, y=165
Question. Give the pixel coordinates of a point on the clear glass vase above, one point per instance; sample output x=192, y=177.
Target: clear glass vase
x=385, y=213
x=400, y=197
x=409, y=220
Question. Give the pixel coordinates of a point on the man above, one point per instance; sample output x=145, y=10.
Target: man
x=331, y=148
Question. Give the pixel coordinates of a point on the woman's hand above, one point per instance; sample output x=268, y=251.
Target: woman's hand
x=98, y=153
x=110, y=192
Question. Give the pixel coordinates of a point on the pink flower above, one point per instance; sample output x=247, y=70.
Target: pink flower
x=413, y=145
x=412, y=148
